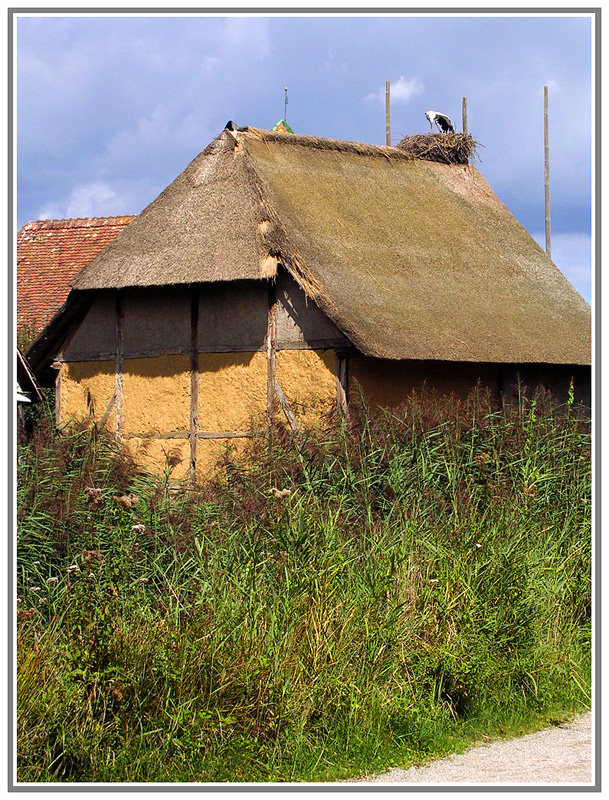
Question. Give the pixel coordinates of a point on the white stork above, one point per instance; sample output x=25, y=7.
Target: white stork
x=442, y=121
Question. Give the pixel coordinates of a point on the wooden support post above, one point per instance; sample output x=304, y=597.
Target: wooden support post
x=546, y=146
x=194, y=378
x=271, y=349
x=342, y=385
x=104, y=419
x=387, y=113
x=289, y=414
x=155, y=435
x=186, y=435
x=464, y=113
x=118, y=364
x=58, y=394
x=227, y=434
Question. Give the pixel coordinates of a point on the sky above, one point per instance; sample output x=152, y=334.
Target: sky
x=110, y=109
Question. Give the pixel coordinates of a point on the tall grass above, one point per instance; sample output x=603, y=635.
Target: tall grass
x=374, y=592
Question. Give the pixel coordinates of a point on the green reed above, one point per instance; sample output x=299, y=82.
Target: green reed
x=425, y=581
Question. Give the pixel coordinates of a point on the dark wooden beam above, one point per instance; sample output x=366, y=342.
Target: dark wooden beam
x=154, y=435
x=342, y=384
x=186, y=435
x=58, y=380
x=104, y=419
x=226, y=434
x=283, y=402
x=194, y=378
x=118, y=364
x=271, y=350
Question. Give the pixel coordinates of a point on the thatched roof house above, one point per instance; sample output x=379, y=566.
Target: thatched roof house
x=279, y=266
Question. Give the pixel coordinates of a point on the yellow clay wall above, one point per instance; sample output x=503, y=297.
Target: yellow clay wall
x=156, y=455
x=232, y=390
x=80, y=379
x=156, y=394
x=308, y=380
x=232, y=397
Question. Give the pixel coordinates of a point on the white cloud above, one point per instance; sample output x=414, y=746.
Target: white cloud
x=95, y=199
x=139, y=134
x=401, y=91
x=404, y=89
x=242, y=36
x=572, y=254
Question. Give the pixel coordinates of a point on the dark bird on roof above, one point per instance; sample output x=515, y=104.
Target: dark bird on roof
x=232, y=126
x=442, y=121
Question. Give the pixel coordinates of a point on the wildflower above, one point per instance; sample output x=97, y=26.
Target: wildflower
x=89, y=555
x=91, y=576
x=51, y=580
x=139, y=528
x=35, y=588
x=126, y=500
x=42, y=601
x=94, y=496
x=36, y=563
x=280, y=493
x=478, y=546
x=117, y=693
x=19, y=600
x=144, y=580
x=73, y=568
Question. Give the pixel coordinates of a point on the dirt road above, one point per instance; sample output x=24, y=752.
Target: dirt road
x=561, y=754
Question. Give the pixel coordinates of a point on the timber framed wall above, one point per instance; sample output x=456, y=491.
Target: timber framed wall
x=179, y=372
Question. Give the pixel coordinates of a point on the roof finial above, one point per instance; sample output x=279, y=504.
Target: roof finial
x=282, y=126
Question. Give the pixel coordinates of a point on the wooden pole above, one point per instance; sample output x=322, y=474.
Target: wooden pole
x=118, y=369
x=194, y=380
x=271, y=348
x=342, y=384
x=387, y=115
x=464, y=113
x=289, y=414
x=58, y=396
x=546, y=147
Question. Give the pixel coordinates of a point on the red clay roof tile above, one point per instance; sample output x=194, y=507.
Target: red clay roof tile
x=49, y=254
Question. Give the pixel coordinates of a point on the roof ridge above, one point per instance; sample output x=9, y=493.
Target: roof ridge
x=76, y=222
x=324, y=143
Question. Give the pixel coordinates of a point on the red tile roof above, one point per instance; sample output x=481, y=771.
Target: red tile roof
x=49, y=254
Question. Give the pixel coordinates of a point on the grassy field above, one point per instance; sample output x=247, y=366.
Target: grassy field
x=374, y=594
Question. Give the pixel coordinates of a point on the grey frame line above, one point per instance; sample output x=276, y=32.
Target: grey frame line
x=595, y=13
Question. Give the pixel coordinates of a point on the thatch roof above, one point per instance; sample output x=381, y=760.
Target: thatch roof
x=409, y=258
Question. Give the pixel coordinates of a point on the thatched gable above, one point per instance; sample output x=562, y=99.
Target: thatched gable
x=410, y=259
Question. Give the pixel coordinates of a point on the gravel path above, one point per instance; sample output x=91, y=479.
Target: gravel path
x=562, y=754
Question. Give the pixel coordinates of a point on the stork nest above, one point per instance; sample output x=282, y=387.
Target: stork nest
x=447, y=148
